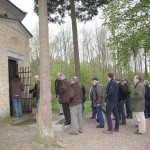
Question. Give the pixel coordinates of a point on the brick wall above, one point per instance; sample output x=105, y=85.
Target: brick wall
x=4, y=88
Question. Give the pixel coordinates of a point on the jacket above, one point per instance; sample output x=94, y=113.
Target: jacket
x=112, y=92
x=38, y=90
x=64, y=91
x=57, y=86
x=137, y=99
x=16, y=88
x=147, y=92
x=121, y=92
x=96, y=95
x=78, y=95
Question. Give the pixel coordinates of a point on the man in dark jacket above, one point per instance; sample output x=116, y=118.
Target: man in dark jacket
x=121, y=101
x=64, y=98
x=128, y=98
x=16, y=88
x=75, y=104
x=137, y=102
x=57, y=87
x=97, y=99
x=147, y=99
x=111, y=104
x=36, y=90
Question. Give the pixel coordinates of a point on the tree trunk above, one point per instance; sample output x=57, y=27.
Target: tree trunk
x=75, y=39
x=146, y=71
x=45, y=136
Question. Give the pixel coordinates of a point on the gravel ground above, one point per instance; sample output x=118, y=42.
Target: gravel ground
x=21, y=137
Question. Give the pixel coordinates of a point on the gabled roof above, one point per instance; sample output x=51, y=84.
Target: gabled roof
x=11, y=8
x=18, y=23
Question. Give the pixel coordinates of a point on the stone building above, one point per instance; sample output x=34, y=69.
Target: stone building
x=14, y=50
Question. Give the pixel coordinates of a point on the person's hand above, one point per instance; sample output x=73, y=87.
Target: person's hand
x=98, y=105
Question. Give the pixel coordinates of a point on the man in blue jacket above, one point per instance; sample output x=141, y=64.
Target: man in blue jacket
x=111, y=104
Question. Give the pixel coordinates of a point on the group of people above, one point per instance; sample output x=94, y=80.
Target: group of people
x=117, y=94
x=71, y=98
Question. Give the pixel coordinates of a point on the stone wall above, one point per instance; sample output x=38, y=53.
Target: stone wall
x=12, y=39
x=14, y=44
x=4, y=88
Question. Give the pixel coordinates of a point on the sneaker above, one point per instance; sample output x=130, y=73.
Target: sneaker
x=108, y=132
x=60, y=114
x=116, y=130
x=100, y=126
x=67, y=123
x=92, y=118
x=137, y=132
x=122, y=123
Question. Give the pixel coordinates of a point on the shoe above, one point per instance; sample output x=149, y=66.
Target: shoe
x=122, y=123
x=60, y=114
x=116, y=130
x=67, y=123
x=129, y=117
x=92, y=118
x=108, y=132
x=99, y=126
x=137, y=132
x=74, y=133
x=80, y=131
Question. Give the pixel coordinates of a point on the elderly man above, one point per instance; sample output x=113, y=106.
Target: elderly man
x=137, y=102
x=64, y=98
x=75, y=103
x=36, y=90
x=96, y=97
x=57, y=88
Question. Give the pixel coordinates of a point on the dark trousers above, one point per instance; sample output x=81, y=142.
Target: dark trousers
x=121, y=111
x=112, y=108
x=147, y=108
x=94, y=112
x=128, y=107
x=66, y=112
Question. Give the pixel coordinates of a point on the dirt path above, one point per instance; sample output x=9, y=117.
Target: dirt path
x=21, y=137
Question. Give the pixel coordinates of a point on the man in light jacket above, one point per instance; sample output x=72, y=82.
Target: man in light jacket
x=137, y=104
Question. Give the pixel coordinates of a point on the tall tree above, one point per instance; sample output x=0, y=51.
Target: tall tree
x=45, y=135
x=84, y=10
x=129, y=24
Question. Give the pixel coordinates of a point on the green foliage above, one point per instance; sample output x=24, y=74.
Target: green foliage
x=129, y=24
x=58, y=9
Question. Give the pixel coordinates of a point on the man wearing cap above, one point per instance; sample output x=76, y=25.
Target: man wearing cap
x=96, y=96
x=137, y=102
x=127, y=100
x=111, y=104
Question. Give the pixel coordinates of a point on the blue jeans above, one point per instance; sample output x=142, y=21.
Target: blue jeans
x=17, y=106
x=147, y=108
x=112, y=108
x=128, y=107
x=100, y=115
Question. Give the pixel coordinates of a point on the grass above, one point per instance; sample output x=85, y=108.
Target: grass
x=87, y=106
